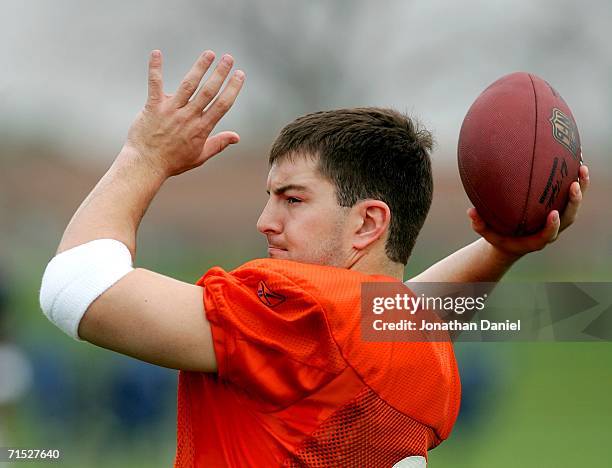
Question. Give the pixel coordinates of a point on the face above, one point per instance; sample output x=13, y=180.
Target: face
x=302, y=219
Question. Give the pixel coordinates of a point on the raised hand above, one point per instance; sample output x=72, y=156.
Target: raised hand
x=519, y=246
x=171, y=134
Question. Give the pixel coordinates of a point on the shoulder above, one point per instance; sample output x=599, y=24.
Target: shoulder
x=277, y=305
x=271, y=333
x=324, y=283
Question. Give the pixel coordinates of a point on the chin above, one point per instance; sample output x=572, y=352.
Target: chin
x=314, y=261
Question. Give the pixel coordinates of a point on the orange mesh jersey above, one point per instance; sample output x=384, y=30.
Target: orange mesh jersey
x=296, y=385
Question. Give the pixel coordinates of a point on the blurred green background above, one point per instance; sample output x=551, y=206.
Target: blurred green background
x=74, y=76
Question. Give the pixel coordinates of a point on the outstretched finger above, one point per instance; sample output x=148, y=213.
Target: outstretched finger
x=156, y=86
x=192, y=79
x=224, y=101
x=211, y=88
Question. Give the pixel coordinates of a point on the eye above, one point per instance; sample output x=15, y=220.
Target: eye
x=293, y=200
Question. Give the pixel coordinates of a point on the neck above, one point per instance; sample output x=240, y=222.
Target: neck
x=378, y=266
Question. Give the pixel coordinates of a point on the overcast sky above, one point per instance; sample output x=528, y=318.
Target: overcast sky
x=74, y=72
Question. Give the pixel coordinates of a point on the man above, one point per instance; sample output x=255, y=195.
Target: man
x=273, y=370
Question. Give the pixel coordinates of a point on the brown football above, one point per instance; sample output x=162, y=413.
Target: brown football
x=518, y=153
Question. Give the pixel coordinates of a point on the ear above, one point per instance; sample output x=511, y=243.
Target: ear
x=372, y=219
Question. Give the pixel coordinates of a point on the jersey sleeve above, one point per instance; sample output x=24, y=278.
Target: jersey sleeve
x=271, y=336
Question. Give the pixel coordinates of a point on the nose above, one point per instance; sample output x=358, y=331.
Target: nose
x=269, y=222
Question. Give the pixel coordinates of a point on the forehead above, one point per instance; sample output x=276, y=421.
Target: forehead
x=298, y=170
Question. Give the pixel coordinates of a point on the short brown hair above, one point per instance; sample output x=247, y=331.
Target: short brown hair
x=369, y=153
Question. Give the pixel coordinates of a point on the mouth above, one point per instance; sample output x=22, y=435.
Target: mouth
x=275, y=250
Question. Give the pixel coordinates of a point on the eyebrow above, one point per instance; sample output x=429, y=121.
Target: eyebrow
x=285, y=188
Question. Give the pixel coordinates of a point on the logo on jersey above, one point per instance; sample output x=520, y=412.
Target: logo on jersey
x=564, y=131
x=268, y=297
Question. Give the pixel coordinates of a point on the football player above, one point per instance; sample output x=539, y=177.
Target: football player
x=273, y=369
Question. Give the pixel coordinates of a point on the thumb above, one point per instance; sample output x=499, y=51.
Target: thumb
x=478, y=224
x=217, y=143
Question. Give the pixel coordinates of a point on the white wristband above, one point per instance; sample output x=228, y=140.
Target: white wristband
x=76, y=277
